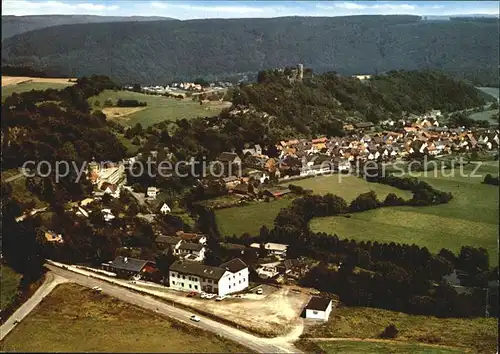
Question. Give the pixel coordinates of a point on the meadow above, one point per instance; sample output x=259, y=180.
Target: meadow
x=477, y=335
x=158, y=109
x=9, y=283
x=73, y=318
x=250, y=218
x=366, y=346
x=492, y=91
x=471, y=218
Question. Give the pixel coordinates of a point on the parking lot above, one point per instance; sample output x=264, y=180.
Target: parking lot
x=275, y=312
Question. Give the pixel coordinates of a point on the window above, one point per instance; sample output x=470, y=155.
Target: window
x=182, y=284
x=196, y=287
x=173, y=275
x=183, y=277
x=239, y=281
x=189, y=286
x=315, y=312
x=229, y=286
x=173, y=283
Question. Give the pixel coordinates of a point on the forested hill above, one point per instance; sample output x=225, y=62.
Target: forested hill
x=157, y=52
x=12, y=25
x=320, y=104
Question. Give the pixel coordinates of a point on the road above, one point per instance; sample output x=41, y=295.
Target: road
x=23, y=172
x=51, y=281
x=262, y=345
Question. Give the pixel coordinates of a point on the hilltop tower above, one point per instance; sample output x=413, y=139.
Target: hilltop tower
x=300, y=72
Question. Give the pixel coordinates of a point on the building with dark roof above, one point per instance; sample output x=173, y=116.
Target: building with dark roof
x=228, y=278
x=318, y=308
x=127, y=266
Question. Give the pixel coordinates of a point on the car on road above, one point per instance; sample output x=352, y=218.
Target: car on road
x=16, y=322
x=96, y=288
x=195, y=318
x=259, y=291
x=220, y=298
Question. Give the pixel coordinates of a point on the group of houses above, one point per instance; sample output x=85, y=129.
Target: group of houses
x=187, y=246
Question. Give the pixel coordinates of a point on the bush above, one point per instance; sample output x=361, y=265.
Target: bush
x=389, y=332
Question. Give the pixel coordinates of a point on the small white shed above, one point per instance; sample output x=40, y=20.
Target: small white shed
x=319, y=308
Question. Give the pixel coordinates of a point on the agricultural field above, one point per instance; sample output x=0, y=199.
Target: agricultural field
x=475, y=335
x=73, y=318
x=250, y=218
x=9, y=283
x=12, y=84
x=471, y=218
x=158, y=109
x=484, y=115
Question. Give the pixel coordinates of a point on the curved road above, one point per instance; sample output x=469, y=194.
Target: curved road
x=261, y=345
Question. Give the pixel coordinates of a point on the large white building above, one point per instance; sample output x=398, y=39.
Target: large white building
x=229, y=277
x=277, y=249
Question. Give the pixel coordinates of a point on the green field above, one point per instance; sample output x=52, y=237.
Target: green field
x=73, y=318
x=19, y=190
x=349, y=347
x=28, y=86
x=471, y=334
x=471, y=218
x=250, y=218
x=493, y=91
x=159, y=108
x=9, y=283
x=484, y=115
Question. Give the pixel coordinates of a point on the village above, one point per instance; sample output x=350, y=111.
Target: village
x=260, y=177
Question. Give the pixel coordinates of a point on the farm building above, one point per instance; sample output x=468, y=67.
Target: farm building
x=318, y=308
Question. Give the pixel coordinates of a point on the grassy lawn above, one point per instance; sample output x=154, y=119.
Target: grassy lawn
x=9, y=282
x=28, y=86
x=250, y=218
x=476, y=335
x=159, y=108
x=349, y=347
x=471, y=218
x=73, y=318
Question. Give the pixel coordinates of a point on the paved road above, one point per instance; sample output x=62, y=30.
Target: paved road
x=51, y=281
x=262, y=345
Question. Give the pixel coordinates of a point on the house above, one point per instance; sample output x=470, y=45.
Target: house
x=228, y=278
x=229, y=161
x=165, y=209
x=172, y=242
x=277, y=249
x=364, y=126
x=192, y=237
x=52, y=237
x=151, y=193
x=231, y=182
x=127, y=267
x=318, y=308
x=111, y=189
x=107, y=215
x=193, y=251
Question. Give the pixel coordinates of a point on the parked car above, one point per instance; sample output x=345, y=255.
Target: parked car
x=16, y=322
x=191, y=294
x=259, y=291
x=195, y=318
x=96, y=288
x=220, y=298
x=203, y=295
x=210, y=296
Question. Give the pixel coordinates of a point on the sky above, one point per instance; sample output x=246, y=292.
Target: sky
x=245, y=9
